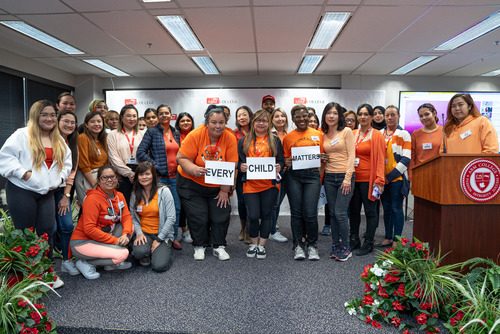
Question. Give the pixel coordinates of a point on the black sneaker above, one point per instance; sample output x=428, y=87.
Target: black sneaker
x=261, y=252
x=354, y=242
x=334, y=252
x=252, y=251
x=344, y=254
x=365, y=249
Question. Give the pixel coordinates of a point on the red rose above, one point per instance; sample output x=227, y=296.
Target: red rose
x=382, y=293
x=453, y=321
x=459, y=315
x=425, y=306
x=368, y=300
x=433, y=330
x=406, y=331
x=36, y=317
x=418, y=292
x=28, y=330
x=376, y=324
x=366, y=270
x=45, y=236
x=22, y=303
x=400, y=291
x=396, y=322
x=389, y=250
x=368, y=320
x=48, y=326
x=33, y=251
x=397, y=306
x=404, y=241
x=435, y=315
x=38, y=306
x=367, y=287
x=388, y=278
x=421, y=318
x=17, y=249
x=382, y=313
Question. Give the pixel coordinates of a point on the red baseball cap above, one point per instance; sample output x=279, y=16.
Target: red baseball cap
x=268, y=97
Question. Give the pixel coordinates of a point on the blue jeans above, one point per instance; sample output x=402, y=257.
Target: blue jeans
x=279, y=200
x=303, y=194
x=392, y=201
x=172, y=185
x=338, y=205
x=64, y=224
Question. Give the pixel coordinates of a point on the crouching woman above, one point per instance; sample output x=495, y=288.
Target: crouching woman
x=153, y=214
x=104, y=228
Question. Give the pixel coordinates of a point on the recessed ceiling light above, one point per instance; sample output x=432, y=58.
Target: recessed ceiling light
x=309, y=64
x=414, y=64
x=491, y=74
x=490, y=23
x=181, y=31
x=106, y=67
x=328, y=29
x=206, y=65
x=42, y=37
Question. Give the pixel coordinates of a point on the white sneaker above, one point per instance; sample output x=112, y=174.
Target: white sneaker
x=313, y=253
x=69, y=267
x=87, y=270
x=221, y=254
x=121, y=266
x=58, y=283
x=299, y=253
x=261, y=252
x=252, y=251
x=186, y=237
x=278, y=237
x=199, y=253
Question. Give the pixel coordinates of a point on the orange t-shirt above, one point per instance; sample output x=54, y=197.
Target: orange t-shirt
x=309, y=137
x=150, y=215
x=49, y=156
x=259, y=148
x=197, y=148
x=363, y=151
x=425, y=145
x=171, y=149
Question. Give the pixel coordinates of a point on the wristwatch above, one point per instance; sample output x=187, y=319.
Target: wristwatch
x=68, y=195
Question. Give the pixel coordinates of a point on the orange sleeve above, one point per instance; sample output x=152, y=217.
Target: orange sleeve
x=90, y=216
x=379, y=145
x=231, y=148
x=189, y=147
x=126, y=218
x=287, y=140
x=489, y=140
x=83, y=153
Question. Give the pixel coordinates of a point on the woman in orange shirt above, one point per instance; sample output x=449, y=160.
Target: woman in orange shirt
x=466, y=130
x=207, y=206
x=244, y=116
x=370, y=179
x=426, y=141
x=303, y=185
x=259, y=142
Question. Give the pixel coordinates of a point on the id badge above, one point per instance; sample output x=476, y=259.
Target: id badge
x=132, y=161
x=121, y=205
x=427, y=146
x=465, y=134
x=334, y=142
x=139, y=208
x=356, y=162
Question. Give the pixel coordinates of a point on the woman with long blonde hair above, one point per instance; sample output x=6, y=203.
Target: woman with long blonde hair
x=35, y=161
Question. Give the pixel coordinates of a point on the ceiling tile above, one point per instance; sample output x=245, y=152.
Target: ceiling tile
x=384, y=63
x=212, y=3
x=132, y=65
x=285, y=29
x=481, y=66
x=236, y=63
x=174, y=64
x=344, y=2
x=233, y=34
x=72, y=65
x=34, y=6
x=103, y=5
x=286, y=2
x=284, y=63
x=336, y=63
x=443, y=65
x=22, y=45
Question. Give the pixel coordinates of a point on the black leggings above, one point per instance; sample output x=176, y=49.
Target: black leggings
x=259, y=211
x=31, y=209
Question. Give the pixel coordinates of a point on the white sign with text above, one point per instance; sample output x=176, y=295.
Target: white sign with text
x=220, y=172
x=261, y=168
x=305, y=157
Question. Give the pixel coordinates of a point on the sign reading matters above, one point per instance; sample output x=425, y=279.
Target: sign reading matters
x=261, y=168
x=220, y=172
x=305, y=157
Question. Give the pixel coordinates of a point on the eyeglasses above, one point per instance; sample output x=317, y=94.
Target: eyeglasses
x=108, y=178
x=261, y=121
x=350, y=120
x=69, y=122
x=45, y=115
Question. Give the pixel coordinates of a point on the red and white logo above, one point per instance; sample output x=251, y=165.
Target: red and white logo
x=480, y=180
x=300, y=100
x=131, y=101
x=213, y=100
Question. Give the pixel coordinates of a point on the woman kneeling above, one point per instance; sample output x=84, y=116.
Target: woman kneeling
x=153, y=213
x=104, y=228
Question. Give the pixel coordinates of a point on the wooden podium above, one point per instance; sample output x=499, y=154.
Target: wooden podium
x=444, y=216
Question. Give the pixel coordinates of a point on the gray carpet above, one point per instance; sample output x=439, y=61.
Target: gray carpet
x=275, y=295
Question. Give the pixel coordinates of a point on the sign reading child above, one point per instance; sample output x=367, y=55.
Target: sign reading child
x=261, y=168
x=305, y=157
x=219, y=172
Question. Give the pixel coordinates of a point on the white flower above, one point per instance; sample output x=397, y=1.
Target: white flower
x=373, y=286
x=376, y=302
x=387, y=263
x=351, y=311
x=346, y=304
x=377, y=271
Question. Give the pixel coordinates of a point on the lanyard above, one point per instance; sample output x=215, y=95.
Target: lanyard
x=358, y=141
x=130, y=145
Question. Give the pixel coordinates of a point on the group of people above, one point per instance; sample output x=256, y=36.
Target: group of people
x=137, y=187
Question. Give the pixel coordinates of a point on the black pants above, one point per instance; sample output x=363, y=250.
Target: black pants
x=161, y=258
x=31, y=209
x=207, y=223
x=360, y=197
x=125, y=187
x=260, y=212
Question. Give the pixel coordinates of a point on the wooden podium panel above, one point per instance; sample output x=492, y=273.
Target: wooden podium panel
x=444, y=216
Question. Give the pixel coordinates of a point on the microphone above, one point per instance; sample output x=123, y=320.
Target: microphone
x=444, y=136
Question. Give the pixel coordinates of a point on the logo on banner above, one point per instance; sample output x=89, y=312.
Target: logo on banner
x=213, y=100
x=300, y=100
x=131, y=101
x=480, y=180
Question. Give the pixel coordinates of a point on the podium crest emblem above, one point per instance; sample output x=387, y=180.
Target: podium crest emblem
x=480, y=180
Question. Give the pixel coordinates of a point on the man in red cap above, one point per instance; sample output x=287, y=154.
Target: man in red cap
x=268, y=103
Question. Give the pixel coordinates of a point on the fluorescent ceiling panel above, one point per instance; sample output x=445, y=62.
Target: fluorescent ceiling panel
x=206, y=65
x=491, y=74
x=490, y=23
x=414, y=64
x=309, y=64
x=181, y=31
x=42, y=37
x=106, y=67
x=329, y=28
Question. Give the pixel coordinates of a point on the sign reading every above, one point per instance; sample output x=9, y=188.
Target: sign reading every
x=219, y=172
